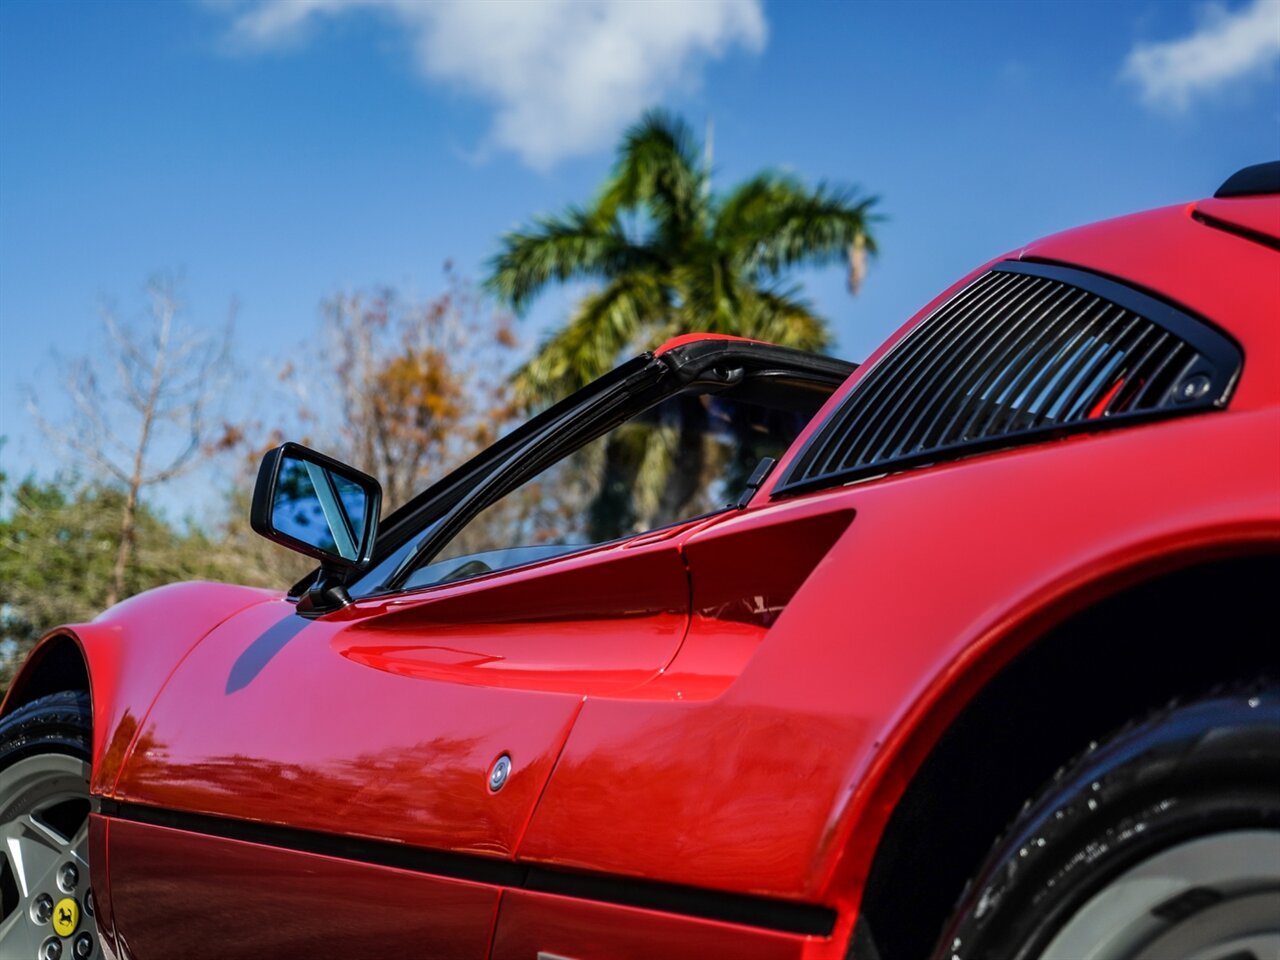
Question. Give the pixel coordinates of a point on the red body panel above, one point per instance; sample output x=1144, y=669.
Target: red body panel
x=435, y=687
x=854, y=663
x=1260, y=215
x=736, y=704
x=207, y=898
x=131, y=650
x=857, y=666
x=531, y=924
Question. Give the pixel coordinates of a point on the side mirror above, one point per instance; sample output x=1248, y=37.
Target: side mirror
x=318, y=506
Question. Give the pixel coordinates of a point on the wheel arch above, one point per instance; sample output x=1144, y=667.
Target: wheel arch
x=56, y=663
x=124, y=658
x=1105, y=654
x=83, y=657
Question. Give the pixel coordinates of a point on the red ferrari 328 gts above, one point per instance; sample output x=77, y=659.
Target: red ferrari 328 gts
x=739, y=652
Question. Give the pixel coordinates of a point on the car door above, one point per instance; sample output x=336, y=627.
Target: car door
x=360, y=779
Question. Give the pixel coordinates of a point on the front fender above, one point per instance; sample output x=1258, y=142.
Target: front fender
x=129, y=652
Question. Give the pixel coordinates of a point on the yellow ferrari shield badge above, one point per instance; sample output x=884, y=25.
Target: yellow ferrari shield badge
x=66, y=914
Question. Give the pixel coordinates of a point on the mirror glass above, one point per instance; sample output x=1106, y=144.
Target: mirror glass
x=319, y=508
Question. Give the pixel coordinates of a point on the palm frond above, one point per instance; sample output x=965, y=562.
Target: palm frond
x=578, y=243
x=675, y=259
x=588, y=346
x=658, y=169
x=773, y=223
x=711, y=294
x=753, y=202
x=784, y=318
x=654, y=471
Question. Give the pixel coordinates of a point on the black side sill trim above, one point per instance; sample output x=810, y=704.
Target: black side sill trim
x=763, y=913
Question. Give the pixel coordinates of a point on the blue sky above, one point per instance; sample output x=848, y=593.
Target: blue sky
x=275, y=152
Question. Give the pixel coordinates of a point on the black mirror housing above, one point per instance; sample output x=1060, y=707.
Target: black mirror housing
x=317, y=506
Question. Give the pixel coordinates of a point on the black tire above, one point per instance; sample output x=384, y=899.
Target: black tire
x=59, y=723
x=44, y=805
x=1195, y=780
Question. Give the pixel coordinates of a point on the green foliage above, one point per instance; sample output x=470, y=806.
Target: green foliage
x=58, y=542
x=675, y=257
x=409, y=390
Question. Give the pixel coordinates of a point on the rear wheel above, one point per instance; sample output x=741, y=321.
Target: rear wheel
x=1162, y=842
x=46, y=903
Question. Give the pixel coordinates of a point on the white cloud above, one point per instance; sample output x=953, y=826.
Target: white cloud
x=1227, y=46
x=564, y=75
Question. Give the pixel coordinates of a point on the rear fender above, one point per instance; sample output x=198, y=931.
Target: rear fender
x=872, y=793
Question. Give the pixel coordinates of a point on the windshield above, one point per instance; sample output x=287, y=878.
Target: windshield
x=654, y=443
x=685, y=457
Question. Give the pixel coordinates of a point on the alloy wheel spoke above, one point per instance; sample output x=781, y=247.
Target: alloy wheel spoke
x=34, y=852
x=26, y=826
x=41, y=796
x=17, y=935
x=78, y=852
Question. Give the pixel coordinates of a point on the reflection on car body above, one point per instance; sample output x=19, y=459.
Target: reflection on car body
x=738, y=651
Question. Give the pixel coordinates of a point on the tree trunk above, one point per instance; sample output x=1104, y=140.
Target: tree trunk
x=685, y=480
x=129, y=515
x=125, y=550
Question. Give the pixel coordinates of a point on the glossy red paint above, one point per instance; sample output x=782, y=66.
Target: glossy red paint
x=696, y=338
x=208, y=898
x=1259, y=215
x=100, y=882
x=744, y=569
x=856, y=661
x=130, y=651
x=845, y=693
x=435, y=686
x=598, y=624
x=532, y=924
x=733, y=704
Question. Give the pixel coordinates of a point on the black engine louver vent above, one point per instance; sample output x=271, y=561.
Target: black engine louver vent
x=1027, y=350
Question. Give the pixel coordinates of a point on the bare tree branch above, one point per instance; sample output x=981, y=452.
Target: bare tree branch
x=153, y=426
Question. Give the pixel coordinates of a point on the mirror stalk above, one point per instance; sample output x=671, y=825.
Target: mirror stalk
x=327, y=594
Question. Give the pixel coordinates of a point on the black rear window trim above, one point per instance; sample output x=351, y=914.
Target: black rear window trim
x=965, y=451
x=1213, y=343
x=1198, y=331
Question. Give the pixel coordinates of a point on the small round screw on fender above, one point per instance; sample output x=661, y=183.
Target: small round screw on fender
x=500, y=772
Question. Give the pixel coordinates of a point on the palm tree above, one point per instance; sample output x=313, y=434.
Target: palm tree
x=676, y=258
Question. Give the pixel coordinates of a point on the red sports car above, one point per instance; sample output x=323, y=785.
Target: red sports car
x=739, y=652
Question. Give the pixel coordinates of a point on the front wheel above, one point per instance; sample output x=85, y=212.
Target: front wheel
x=46, y=903
x=1163, y=842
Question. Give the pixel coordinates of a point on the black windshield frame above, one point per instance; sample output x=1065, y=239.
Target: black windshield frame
x=431, y=519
